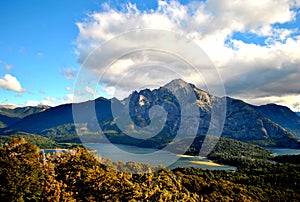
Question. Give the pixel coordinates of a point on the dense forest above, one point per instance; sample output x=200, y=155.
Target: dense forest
x=224, y=150
x=79, y=176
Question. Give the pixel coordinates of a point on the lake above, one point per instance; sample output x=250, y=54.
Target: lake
x=127, y=153
x=283, y=151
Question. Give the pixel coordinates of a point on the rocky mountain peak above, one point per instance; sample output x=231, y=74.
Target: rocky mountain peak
x=176, y=83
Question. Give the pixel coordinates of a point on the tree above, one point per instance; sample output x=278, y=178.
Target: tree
x=21, y=173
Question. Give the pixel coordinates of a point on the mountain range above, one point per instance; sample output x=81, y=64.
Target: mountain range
x=266, y=125
x=10, y=114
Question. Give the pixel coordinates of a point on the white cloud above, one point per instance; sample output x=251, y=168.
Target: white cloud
x=109, y=90
x=10, y=82
x=68, y=98
x=69, y=73
x=32, y=103
x=90, y=91
x=288, y=100
x=248, y=70
x=49, y=101
x=69, y=88
x=248, y=14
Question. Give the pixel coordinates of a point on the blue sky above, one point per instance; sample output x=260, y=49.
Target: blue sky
x=43, y=43
x=36, y=39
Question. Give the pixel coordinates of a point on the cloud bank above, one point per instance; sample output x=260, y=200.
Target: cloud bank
x=261, y=69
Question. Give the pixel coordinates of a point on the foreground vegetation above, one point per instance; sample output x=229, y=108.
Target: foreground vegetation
x=78, y=176
x=292, y=159
x=40, y=141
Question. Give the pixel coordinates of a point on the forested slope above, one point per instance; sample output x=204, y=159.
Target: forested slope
x=78, y=176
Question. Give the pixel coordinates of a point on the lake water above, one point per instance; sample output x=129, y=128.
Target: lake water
x=283, y=151
x=154, y=157
x=54, y=150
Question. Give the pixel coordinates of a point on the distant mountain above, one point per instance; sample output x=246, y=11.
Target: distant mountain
x=8, y=106
x=281, y=115
x=21, y=112
x=243, y=122
x=246, y=124
x=57, y=122
x=10, y=114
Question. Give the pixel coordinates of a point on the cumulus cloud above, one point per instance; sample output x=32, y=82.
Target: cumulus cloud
x=10, y=82
x=257, y=72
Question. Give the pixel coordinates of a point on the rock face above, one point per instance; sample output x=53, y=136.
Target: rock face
x=242, y=122
x=178, y=108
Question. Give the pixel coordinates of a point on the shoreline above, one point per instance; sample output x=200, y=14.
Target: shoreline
x=188, y=156
x=207, y=163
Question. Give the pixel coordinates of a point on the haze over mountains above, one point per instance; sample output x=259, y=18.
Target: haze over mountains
x=267, y=125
